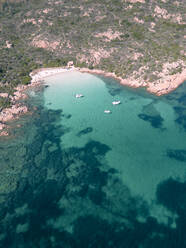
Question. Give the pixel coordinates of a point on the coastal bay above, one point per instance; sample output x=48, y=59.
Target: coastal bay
x=75, y=165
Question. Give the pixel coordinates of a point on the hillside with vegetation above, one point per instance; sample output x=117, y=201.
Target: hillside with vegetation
x=137, y=39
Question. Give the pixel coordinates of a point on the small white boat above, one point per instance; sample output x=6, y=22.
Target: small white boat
x=107, y=111
x=78, y=95
x=116, y=102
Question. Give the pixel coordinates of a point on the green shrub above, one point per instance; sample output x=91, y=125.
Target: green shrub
x=25, y=80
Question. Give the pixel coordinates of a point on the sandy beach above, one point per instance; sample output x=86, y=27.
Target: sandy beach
x=42, y=73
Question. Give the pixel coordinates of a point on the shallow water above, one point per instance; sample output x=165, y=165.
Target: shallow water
x=74, y=176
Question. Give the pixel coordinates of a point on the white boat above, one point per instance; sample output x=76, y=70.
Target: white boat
x=78, y=95
x=116, y=102
x=107, y=111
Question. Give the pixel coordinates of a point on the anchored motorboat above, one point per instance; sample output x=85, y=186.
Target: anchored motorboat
x=78, y=95
x=116, y=102
x=107, y=111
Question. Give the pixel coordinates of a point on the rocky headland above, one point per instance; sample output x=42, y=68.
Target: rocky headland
x=160, y=87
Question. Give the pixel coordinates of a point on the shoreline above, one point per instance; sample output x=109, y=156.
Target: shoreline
x=160, y=87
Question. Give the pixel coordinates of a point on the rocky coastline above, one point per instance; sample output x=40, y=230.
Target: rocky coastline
x=160, y=87
x=17, y=107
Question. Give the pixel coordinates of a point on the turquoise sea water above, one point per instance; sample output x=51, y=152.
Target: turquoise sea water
x=74, y=176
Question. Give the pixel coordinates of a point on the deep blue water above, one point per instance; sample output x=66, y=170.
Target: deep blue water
x=73, y=176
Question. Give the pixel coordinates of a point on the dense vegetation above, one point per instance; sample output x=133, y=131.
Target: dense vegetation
x=92, y=33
